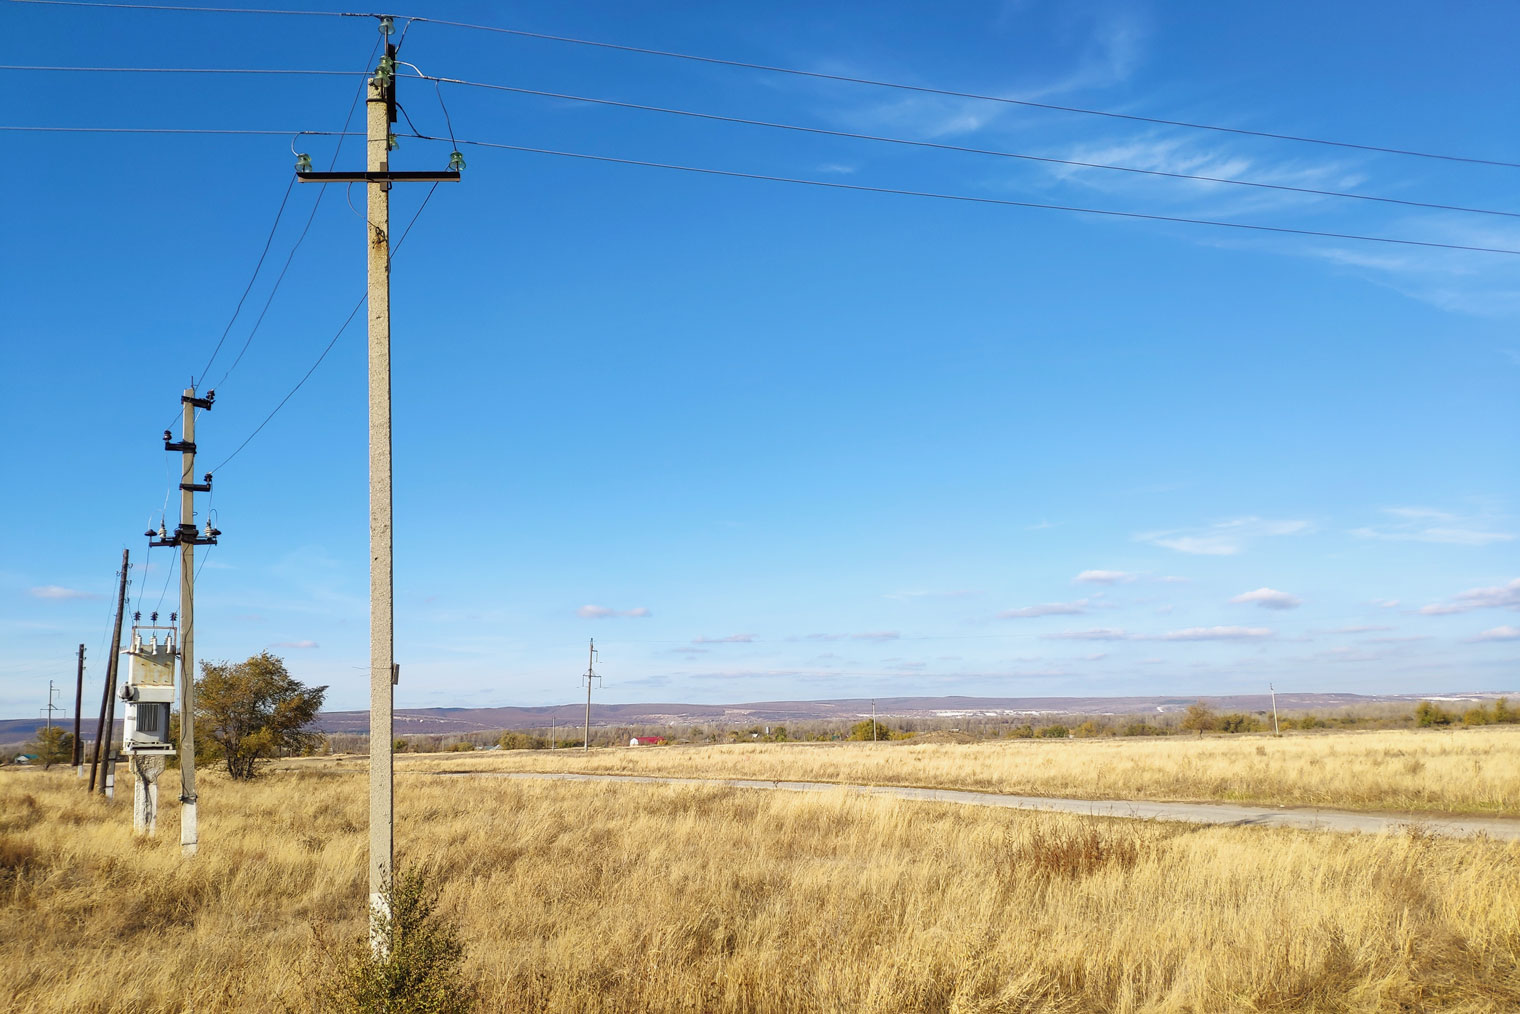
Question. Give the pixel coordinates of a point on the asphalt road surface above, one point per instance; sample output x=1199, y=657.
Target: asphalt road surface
x=1197, y=813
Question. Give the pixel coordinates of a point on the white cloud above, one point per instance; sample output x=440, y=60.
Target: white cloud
x=58, y=592
x=1428, y=524
x=838, y=168
x=1099, y=634
x=1217, y=634
x=1504, y=633
x=730, y=639
x=590, y=612
x=876, y=635
x=1501, y=597
x=1045, y=609
x=1268, y=598
x=1386, y=603
x=1187, y=634
x=296, y=644
x=1224, y=538
x=1104, y=577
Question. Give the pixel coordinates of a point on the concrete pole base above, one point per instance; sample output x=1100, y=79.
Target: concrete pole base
x=146, y=768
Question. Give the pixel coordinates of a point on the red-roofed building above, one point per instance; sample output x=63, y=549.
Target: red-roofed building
x=647, y=741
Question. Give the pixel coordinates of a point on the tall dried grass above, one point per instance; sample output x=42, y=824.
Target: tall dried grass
x=622, y=897
x=1458, y=771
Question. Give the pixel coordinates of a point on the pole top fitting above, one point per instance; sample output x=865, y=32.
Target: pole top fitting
x=387, y=25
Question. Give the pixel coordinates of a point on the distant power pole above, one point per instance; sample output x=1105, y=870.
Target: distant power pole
x=102, y=755
x=590, y=675
x=873, y=719
x=380, y=107
x=78, y=700
x=1275, y=730
x=187, y=538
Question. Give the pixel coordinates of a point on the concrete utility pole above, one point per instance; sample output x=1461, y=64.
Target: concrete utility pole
x=78, y=700
x=380, y=107
x=51, y=707
x=102, y=755
x=873, y=719
x=187, y=538
x=590, y=675
x=1275, y=730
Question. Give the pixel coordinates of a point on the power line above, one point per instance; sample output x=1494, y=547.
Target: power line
x=179, y=70
x=175, y=130
x=819, y=75
x=824, y=132
x=969, y=150
x=1107, y=212
x=952, y=93
x=347, y=119
x=346, y=322
x=249, y=287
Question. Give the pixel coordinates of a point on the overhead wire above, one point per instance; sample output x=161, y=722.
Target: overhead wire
x=828, y=132
x=818, y=75
x=965, y=149
x=972, y=199
x=321, y=192
x=178, y=130
x=329, y=347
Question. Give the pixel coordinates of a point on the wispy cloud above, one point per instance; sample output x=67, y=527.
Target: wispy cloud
x=730, y=639
x=1425, y=524
x=1186, y=634
x=590, y=612
x=870, y=635
x=957, y=593
x=1096, y=634
x=1104, y=577
x=59, y=593
x=1217, y=634
x=1360, y=629
x=1505, y=596
x=296, y=644
x=1223, y=538
x=1076, y=608
x=1268, y=598
x=1504, y=633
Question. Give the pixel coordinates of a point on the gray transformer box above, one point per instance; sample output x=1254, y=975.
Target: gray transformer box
x=149, y=694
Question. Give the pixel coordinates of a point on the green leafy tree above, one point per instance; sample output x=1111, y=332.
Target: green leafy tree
x=1503, y=713
x=1427, y=715
x=863, y=730
x=255, y=710
x=53, y=746
x=1055, y=732
x=1199, y=718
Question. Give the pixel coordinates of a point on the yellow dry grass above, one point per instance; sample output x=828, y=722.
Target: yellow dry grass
x=1459, y=771
x=651, y=898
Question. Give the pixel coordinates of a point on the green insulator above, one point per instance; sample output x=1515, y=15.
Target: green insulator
x=387, y=25
x=303, y=163
x=391, y=144
x=456, y=162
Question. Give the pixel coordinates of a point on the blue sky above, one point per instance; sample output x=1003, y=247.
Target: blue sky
x=772, y=441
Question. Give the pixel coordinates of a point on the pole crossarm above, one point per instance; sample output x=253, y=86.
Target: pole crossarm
x=386, y=176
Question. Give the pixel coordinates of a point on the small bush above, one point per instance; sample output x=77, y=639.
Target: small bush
x=463, y=746
x=1021, y=732
x=422, y=972
x=1142, y=729
x=1055, y=732
x=1238, y=722
x=1427, y=715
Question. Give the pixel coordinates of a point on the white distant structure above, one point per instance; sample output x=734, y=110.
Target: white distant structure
x=149, y=693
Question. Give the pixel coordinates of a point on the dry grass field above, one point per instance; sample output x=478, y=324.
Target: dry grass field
x=652, y=898
x=1474, y=771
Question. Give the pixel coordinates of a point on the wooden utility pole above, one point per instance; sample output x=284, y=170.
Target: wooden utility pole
x=102, y=755
x=380, y=106
x=78, y=700
x=590, y=675
x=187, y=538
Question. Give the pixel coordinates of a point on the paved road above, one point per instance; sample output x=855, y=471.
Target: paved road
x=1197, y=813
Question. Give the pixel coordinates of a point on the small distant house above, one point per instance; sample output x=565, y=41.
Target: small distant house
x=647, y=741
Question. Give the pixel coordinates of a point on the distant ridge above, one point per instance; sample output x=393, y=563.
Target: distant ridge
x=455, y=721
